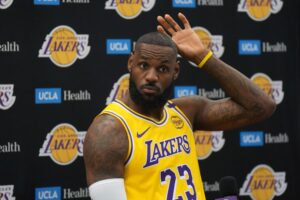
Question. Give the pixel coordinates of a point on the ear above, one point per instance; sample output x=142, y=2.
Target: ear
x=176, y=70
x=129, y=62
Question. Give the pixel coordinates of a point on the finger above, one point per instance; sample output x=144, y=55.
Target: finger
x=161, y=29
x=167, y=27
x=172, y=22
x=184, y=20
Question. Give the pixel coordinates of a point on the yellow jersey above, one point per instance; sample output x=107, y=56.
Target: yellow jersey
x=161, y=163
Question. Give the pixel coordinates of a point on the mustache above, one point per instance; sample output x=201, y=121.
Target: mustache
x=150, y=85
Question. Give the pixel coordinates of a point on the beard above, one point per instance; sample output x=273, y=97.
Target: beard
x=149, y=101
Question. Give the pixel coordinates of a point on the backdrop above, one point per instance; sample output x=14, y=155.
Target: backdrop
x=62, y=61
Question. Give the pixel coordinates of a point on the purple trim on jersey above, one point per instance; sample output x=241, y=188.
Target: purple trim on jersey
x=128, y=131
x=141, y=116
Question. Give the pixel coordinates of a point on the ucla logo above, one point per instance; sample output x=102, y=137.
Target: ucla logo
x=47, y=95
x=251, y=138
x=263, y=183
x=64, y=46
x=249, y=47
x=7, y=99
x=118, y=46
x=181, y=91
x=184, y=3
x=120, y=88
x=5, y=3
x=63, y=144
x=272, y=88
x=213, y=42
x=260, y=10
x=47, y=2
x=129, y=9
x=48, y=193
x=208, y=142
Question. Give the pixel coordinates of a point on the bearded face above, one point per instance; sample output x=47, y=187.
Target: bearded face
x=149, y=100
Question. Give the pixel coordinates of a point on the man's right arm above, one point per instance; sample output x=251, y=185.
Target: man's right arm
x=105, y=150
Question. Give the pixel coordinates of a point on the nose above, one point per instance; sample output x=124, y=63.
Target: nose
x=151, y=75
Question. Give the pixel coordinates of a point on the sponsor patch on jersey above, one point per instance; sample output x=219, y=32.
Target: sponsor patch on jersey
x=177, y=121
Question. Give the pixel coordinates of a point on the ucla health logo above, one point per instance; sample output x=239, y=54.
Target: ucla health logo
x=264, y=183
x=213, y=42
x=64, y=46
x=251, y=138
x=129, y=9
x=6, y=192
x=48, y=193
x=184, y=3
x=260, y=10
x=192, y=3
x=5, y=3
x=272, y=88
x=63, y=144
x=180, y=91
x=7, y=99
x=48, y=95
x=118, y=46
x=208, y=142
x=249, y=47
x=47, y=2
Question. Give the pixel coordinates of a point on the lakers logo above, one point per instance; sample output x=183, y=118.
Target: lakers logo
x=63, y=46
x=120, y=88
x=213, y=42
x=208, y=142
x=129, y=9
x=260, y=10
x=272, y=88
x=5, y=3
x=63, y=144
x=177, y=121
x=7, y=99
x=263, y=183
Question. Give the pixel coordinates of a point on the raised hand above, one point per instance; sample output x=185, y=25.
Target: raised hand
x=188, y=43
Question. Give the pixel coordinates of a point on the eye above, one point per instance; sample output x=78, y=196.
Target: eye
x=164, y=69
x=143, y=65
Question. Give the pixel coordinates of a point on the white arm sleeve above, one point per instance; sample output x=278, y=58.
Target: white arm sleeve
x=108, y=189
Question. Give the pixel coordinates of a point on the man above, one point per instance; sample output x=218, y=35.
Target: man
x=141, y=146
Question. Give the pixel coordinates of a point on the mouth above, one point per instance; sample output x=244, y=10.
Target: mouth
x=148, y=89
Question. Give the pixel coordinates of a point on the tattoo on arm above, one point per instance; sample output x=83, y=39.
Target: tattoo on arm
x=105, y=149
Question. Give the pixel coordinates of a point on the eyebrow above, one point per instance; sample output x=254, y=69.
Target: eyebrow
x=146, y=58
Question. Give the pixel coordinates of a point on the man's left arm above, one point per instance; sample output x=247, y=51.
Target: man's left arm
x=247, y=104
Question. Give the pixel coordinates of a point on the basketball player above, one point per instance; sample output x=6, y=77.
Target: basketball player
x=141, y=146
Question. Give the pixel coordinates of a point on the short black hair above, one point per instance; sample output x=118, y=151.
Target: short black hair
x=157, y=38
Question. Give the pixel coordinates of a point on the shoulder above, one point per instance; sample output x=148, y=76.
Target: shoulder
x=105, y=148
x=105, y=123
x=191, y=106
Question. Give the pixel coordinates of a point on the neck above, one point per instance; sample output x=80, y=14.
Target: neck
x=155, y=113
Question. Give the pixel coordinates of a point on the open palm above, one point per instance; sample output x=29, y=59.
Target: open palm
x=188, y=43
